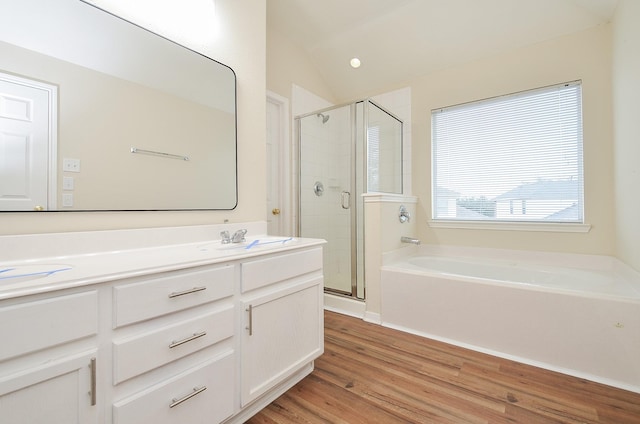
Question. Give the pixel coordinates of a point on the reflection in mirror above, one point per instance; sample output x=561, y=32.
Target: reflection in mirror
x=82, y=90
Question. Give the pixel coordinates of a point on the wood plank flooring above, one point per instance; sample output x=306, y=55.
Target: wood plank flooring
x=371, y=374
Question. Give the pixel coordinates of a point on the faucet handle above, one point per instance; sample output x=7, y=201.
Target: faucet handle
x=224, y=235
x=238, y=236
x=404, y=214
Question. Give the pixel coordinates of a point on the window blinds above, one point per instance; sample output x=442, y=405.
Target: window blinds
x=516, y=157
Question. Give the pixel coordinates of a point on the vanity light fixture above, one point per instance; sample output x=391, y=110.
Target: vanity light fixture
x=355, y=63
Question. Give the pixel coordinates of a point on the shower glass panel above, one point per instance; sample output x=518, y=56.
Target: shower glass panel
x=345, y=151
x=384, y=151
x=326, y=192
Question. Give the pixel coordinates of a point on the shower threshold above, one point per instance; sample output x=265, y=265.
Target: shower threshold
x=346, y=305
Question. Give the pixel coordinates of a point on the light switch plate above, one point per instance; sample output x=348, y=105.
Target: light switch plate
x=67, y=183
x=71, y=165
x=67, y=200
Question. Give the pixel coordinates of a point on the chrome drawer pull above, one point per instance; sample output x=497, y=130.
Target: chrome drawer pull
x=196, y=391
x=250, y=326
x=92, y=365
x=188, y=339
x=188, y=291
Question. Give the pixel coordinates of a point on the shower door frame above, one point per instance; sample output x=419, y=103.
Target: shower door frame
x=353, y=205
x=353, y=175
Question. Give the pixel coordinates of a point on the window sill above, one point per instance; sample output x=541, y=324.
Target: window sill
x=557, y=227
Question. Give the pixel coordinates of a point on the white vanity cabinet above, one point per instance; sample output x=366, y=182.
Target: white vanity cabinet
x=173, y=344
x=48, y=359
x=177, y=334
x=283, y=319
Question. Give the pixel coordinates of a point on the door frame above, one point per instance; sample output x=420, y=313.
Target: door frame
x=285, y=176
x=52, y=132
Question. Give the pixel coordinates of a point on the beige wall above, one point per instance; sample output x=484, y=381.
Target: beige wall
x=383, y=231
x=288, y=64
x=626, y=95
x=241, y=44
x=585, y=56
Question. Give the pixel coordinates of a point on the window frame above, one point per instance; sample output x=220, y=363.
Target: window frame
x=506, y=224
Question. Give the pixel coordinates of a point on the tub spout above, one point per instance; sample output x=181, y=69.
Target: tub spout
x=412, y=240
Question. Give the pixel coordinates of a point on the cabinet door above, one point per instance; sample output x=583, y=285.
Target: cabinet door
x=283, y=331
x=57, y=392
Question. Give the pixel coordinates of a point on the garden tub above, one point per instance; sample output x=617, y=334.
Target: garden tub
x=576, y=314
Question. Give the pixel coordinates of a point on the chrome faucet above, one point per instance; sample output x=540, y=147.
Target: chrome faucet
x=411, y=240
x=238, y=236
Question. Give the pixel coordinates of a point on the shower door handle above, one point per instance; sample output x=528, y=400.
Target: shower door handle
x=345, y=199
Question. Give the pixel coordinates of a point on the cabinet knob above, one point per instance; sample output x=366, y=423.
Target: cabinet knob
x=275, y=211
x=38, y=208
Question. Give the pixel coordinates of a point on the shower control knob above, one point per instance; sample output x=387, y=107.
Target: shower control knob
x=275, y=211
x=318, y=188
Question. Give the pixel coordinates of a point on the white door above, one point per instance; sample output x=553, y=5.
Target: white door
x=27, y=143
x=277, y=166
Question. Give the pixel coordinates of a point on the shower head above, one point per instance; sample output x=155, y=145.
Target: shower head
x=325, y=118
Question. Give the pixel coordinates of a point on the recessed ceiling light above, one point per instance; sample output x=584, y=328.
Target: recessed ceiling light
x=355, y=62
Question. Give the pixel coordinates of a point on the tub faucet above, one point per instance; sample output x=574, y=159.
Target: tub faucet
x=238, y=236
x=411, y=240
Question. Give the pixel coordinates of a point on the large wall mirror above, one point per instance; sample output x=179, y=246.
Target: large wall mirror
x=99, y=114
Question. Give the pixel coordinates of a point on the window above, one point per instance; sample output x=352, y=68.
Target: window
x=511, y=158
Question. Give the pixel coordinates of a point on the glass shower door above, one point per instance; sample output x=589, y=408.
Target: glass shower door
x=327, y=197
x=344, y=152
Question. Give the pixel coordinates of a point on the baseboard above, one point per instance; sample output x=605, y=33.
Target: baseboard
x=344, y=305
x=372, y=317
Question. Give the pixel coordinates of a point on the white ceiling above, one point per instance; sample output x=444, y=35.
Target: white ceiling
x=397, y=40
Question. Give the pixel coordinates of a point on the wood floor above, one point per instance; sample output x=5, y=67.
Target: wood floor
x=371, y=374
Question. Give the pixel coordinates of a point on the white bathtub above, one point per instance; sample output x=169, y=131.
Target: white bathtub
x=582, y=319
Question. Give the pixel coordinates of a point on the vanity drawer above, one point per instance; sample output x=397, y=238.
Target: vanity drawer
x=141, y=353
x=267, y=271
x=203, y=394
x=174, y=291
x=32, y=326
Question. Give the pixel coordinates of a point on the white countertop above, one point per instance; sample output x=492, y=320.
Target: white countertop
x=80, y=269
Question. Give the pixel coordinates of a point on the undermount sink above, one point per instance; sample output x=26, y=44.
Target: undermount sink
x=265, y=242
x=19, y=273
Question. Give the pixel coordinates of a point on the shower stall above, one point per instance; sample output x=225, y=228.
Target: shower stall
x=344, y=152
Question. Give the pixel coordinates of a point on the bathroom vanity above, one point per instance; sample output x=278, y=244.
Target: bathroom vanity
x=156, y=326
